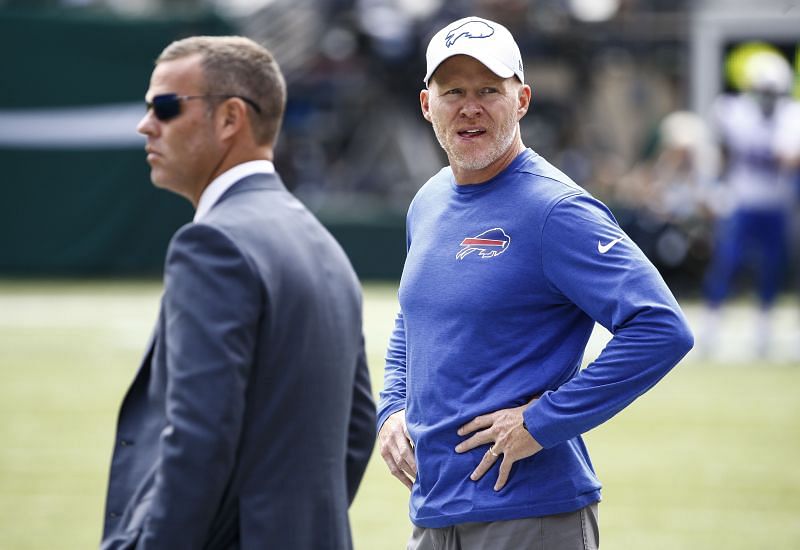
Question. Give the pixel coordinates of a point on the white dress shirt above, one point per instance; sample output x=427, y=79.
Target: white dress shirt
x=225, y=180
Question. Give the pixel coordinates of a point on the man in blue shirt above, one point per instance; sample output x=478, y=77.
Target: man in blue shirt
x=509, y=266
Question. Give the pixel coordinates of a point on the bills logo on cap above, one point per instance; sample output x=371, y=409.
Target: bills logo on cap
x=488, y=244
x=470, y=29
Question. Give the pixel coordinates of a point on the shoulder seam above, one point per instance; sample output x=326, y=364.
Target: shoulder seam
x=221, y=231
x=575, y=193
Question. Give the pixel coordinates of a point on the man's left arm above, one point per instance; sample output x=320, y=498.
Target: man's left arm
x=212, y=307
x=611, y=280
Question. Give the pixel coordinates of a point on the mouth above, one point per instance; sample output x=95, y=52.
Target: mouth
x=151, y=153
x=471, y=133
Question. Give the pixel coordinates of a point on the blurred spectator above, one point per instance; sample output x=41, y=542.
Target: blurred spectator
x=758, y=132
x=664, y=200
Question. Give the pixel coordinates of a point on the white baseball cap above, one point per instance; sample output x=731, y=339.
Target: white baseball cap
x=487, y=41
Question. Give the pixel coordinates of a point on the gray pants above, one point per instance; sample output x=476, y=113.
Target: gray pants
x=570, y=531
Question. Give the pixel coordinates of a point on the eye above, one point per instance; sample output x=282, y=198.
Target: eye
x=454, y=91
x=488, y=90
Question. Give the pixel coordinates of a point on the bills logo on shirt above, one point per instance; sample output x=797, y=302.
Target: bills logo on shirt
x=488, y=244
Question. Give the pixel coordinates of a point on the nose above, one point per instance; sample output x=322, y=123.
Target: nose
x=471, y=109
x=148, y=124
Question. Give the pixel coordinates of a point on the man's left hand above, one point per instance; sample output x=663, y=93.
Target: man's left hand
x=505, y=432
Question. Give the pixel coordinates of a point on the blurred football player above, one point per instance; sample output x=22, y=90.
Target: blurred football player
x=758, y=134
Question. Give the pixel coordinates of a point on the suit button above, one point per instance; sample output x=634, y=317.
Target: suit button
x=125, y=442
x=113, y=515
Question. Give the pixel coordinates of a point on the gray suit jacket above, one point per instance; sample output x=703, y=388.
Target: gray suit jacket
x=250, y=421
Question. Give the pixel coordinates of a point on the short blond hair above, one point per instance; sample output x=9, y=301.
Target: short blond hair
x=236, y=65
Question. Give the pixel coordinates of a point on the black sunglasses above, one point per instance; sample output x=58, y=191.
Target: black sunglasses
x=168, y=106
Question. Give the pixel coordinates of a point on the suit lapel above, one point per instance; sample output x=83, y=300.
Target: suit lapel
x=143, y=373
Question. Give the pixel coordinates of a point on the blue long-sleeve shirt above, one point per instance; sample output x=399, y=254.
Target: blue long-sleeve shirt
x=499, y=294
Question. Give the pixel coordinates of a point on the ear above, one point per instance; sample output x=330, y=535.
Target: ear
x=232, y=117
x=424, y=103
x=524, y=101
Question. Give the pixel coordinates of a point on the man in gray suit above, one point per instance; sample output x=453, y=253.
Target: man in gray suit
x=250, y=421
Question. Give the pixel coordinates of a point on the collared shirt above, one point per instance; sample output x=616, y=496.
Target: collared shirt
x=224, y=181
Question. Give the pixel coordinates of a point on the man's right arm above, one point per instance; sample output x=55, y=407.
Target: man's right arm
x=395, y=444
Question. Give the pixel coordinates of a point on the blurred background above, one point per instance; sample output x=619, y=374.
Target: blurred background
x=626, y=101
x=354, y=147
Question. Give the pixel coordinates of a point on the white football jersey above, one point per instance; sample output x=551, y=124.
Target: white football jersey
x=755, y=145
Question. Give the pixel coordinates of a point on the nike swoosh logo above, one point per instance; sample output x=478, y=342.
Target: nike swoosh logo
x=603, y=248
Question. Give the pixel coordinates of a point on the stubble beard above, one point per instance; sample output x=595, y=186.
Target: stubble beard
x=480, y=159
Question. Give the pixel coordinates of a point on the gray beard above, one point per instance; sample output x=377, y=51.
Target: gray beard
x=484, y=159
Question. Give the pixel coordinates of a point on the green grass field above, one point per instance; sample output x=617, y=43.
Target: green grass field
x=707, y=460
